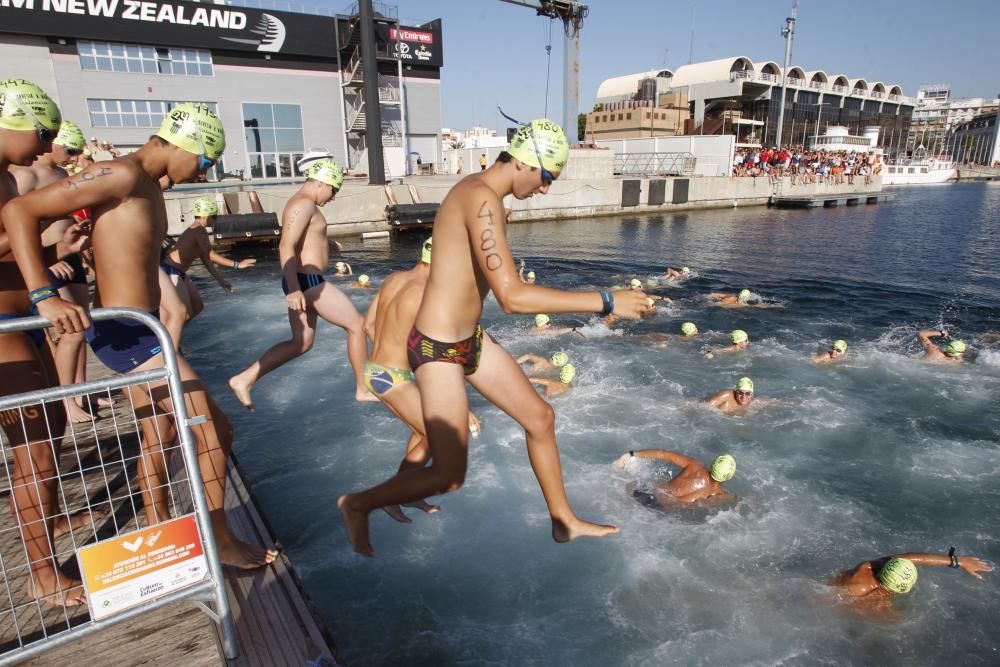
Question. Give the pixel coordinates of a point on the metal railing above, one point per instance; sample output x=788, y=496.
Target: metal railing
x=87, y=472
x=654, y=164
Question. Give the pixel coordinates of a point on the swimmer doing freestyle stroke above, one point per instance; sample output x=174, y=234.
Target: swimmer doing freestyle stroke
x=471, y=257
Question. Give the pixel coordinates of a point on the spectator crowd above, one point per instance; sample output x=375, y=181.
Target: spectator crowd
x=805, y=166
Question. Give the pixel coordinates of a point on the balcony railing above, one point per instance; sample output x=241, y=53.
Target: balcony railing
x=801, y=83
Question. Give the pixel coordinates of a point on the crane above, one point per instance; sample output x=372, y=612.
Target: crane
x=571, y=13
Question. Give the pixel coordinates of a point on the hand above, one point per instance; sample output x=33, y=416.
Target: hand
x=944, y=333
x=65, y=317
x=247, y=262
x=522, y=265
x=709, y=355
x=623, y=461
x=475, y=427
x=973, y=566
x=62, y=270
x=631, y=304
x=226, y=286
x=296, y=301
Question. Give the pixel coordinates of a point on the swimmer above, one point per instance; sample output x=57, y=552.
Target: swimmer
x=874, y=583
x=387, y=372
x=543, y=327
x=741, y=300
x=552, y=387
x=364, y=281
x=837, y=352
x=343, y=269
x=694, y=484
x=530, y=278
x=689, y=330
x=180, y=301
x=126, y=202
x=677, y=274
x=304, y=255
x=539, y=364
x=740, y=339
x=953, y=351
x=472, y=258
x=731, y=401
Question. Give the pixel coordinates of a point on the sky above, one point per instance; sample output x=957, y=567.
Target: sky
x=494, y=52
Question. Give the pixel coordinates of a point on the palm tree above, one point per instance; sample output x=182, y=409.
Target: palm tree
x=456, y=144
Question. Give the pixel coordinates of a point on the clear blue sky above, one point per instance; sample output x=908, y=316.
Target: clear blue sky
x=494, y=52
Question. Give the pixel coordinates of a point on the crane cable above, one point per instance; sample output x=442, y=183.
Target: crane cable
x=548, y=68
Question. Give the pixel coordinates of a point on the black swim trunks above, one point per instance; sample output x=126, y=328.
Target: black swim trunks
x=306, y=281
x=79, y=276
x=423, y=350
x=123, y=344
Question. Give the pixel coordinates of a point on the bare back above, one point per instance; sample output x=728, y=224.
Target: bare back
x=398, y=303
x=192, y=244
x=693, y=484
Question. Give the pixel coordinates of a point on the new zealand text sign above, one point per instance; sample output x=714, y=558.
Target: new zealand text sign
x=173, y=23
x=141, y=566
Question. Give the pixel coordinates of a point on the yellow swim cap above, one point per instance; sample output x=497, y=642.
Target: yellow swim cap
x=744, y=384
x=541, y=319
x=531, y=275
x=540, y=139
x=25, y=106
x=739, y=336
x=954, y=348
x=685, y=269
x=723, y=468
x=567, y=373
x=898, y=575
x=425, y=251
x=840, y=346
x=689, y=329
x=340, y=266
x=744, y=296
x=194, y=128
x=635, y=283
x=87, y=152
x=205, y=207
x=363, y=279
x=650, y=302
x=70, y=136
x=560, y=359
x=326, y=171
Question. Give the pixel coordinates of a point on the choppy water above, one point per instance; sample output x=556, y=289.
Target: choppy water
x=837, y=465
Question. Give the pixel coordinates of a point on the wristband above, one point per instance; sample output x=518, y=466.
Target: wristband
x=608, y=301
x=41, y=294
x=631, y=453
x=953, y=557
x=236, y=264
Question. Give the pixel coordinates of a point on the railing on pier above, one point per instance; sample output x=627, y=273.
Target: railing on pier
x=654, y=164
x=92, y=472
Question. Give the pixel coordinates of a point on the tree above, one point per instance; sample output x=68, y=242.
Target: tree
x=581, y=125
x=456, y=144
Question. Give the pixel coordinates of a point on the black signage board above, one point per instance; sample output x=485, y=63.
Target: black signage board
x=419, y=45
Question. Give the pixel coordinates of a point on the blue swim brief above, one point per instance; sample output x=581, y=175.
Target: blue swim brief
x=36, y=335
x=306, y=281
x=123, y=344
x=173, y=270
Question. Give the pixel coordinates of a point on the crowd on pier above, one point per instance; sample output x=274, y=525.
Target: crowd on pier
x=806, y=166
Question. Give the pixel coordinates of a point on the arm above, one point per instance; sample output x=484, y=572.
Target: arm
x=295, y=220
x=222, y=260
x=719, y=400
x=488, y=239
x=721, y=350
x=926, y=338
x=22, y=218
x=532, y=359
x=968, y=564
x=369, y=325
x=205, y=253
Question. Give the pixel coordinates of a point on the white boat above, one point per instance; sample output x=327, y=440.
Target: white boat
x=921, y=170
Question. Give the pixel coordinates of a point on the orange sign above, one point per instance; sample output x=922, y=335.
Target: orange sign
x=131, y=569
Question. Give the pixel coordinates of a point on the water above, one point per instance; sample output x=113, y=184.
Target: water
x=881, y=454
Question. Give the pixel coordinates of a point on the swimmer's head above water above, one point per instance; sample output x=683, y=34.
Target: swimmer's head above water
x=689, y=329
x=364, y=280
x=954, y=348
x=560, y=359
x=744, y=390
x=530, y=275
x=685, y=270
x=739, y=336
x=567, y=373
x=541, y=320
x=839, y=348
x=635, y=283
x=898, y=575
x=723, y=468
x=744, y=296
x=340, y=267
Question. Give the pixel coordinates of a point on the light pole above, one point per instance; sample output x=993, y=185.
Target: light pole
x=788, y=32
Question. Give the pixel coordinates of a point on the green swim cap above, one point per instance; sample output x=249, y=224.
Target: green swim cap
x=898, y=575
x=723, y=468
x=24, y=106
x=194, y=128
x=954, y=348
x=840, y=346
x=651, y=282
x=340, y=266
x=744, y=384
x=560, y=359
x=541, y=319
x=744, y=296
x=363, y=279
x=205, y=207
x=567, y=373
x=326, y=171
x=70, y=136
x=87, y=152
x=425, y=251
x=685, y=269
x=531, y=275
x=739, y=336
x=650, y=301
x=552, y=147
x=635, y=283
x=689, y=329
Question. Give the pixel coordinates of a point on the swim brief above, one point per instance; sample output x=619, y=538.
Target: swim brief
x=421, y=350
x=79, y=276
x=646, y=498
x=306, y=281
x=123, y=344
x=36, y=335
x=380, y=379
x=173, y=270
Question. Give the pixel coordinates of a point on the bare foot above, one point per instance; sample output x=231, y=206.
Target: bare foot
x=396, y=512
x=563, y=532
x=423, y=505
x=87, y=518
x=356, y=523
x=244, y=556
x=362, y=395
x=242, y=392
x=52, y=587
x=105, y=403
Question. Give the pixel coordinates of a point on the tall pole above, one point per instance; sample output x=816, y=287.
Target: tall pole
x=571, y=80
x=788, y=32
x=373, y=112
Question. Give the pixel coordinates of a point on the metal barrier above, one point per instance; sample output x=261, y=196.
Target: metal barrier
x=91, y=482
x=654, y=164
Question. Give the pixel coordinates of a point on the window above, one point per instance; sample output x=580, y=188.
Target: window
x=274, y=138
x=131, y=113
x=630, y=115
x=112, y=57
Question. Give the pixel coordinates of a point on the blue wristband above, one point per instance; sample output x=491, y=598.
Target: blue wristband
x=608, y=301
x=41, y=294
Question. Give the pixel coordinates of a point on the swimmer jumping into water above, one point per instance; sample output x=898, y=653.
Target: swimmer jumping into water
x=735, y=400
x=953, y=351
x=837, y=352
x=694, y=484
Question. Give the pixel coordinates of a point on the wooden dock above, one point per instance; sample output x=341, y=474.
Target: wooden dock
x=276, y=624
x=831, y=200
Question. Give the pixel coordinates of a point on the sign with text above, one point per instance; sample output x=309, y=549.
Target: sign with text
x=413, y=45
x=141, y=566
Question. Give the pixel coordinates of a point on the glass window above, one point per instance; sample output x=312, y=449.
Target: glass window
x=261, y=113
x=112, y=57
x=289, y=140
x=131, y=113
x=287, y=115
